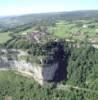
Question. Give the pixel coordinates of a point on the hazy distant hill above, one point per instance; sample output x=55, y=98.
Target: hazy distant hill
x=14, y=21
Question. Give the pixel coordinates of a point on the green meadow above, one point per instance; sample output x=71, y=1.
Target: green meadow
x=4, y=37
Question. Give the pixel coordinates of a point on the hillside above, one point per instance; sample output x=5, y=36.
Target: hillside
x=49, y=56
x=14, y=21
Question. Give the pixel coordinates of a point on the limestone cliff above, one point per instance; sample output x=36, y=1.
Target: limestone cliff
x=38, y=72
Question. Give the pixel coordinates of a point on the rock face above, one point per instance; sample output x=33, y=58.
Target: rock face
x=43, y=74
x=47, y=68
x=48, y=72
x=40, y=73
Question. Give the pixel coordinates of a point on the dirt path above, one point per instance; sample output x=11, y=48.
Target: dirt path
x=4, y=69
x=25, y=74
x=59, y=86
x=68, y=87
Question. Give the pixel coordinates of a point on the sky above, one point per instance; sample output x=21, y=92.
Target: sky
x=19, y=7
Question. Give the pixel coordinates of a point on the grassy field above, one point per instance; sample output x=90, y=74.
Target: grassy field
x=75, y=29
x=61, y=30
x=4, y=37
x=26, y=31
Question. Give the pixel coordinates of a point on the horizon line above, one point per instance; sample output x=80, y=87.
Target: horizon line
x=1, y=16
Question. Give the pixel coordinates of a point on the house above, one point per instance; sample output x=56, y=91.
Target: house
x=96, y=30
x=85, y=26
x=36, y=35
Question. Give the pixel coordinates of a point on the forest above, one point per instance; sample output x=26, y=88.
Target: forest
x=69, y=38
x=81, y=75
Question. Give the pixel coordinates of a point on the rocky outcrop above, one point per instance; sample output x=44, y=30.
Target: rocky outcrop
x=41, y=73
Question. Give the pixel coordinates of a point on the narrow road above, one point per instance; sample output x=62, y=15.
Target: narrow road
x=68, y=87
x=59, y=86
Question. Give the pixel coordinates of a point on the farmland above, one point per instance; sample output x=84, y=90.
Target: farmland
x=78, y=29
x=4, y=37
